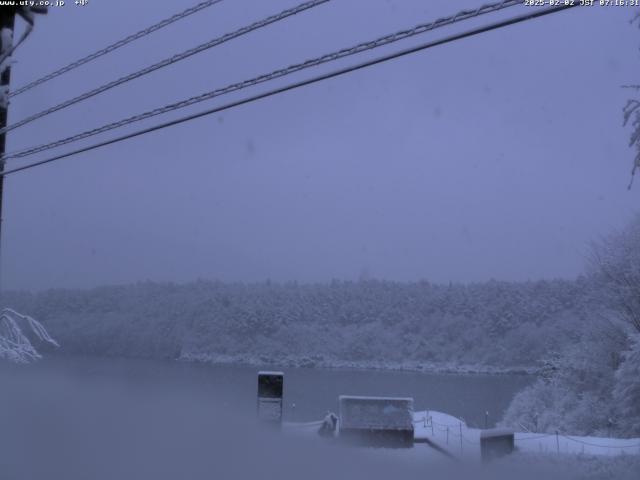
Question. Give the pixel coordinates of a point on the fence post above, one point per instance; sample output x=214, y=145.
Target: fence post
x=557, y=442
x=447, y=434
x=461, y=438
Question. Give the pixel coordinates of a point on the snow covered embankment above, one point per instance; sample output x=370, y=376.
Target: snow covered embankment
x=453, y=435
x=306, y=362
x=15, y=332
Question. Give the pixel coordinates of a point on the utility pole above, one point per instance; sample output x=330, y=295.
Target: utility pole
x=7, y=21
x=7, y=27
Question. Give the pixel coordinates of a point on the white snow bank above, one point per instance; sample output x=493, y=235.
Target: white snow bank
x=560, y=443
x=15, y=345
x=305, y=362
x=453, y=435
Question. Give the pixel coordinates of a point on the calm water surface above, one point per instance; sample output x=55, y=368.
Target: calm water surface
x=81, y=418
x=309, y=393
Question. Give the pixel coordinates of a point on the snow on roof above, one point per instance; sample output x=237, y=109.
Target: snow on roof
x=267, y=372
x=495, y=432
x=366, y=397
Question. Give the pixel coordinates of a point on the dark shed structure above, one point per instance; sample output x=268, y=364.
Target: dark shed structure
x=495, y=443
x=376, y=421
x=270, y=390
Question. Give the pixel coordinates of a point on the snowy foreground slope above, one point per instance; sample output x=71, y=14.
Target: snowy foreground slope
x=454, y=453
x=15, y=333
x=454, y=437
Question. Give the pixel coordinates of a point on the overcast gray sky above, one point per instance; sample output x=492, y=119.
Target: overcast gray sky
x=499, y=156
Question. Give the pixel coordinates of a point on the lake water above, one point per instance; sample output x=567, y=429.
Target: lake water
x=86, y=417
x=308, y=393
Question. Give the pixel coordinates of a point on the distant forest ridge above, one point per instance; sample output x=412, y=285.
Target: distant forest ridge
x=491, y=326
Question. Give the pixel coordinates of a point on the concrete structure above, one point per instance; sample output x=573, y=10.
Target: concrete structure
x=376, y=421
x=496, y=443
x=270, y=390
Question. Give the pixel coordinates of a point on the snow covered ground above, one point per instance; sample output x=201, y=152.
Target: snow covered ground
x=407, y=366
x=453, y=435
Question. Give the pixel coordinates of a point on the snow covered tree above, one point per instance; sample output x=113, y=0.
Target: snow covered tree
x=632, y=117
x=15, y=330
x=631, y=114
x=627, y=390
x=616, y=260
x=574, y=393
x=593, y=386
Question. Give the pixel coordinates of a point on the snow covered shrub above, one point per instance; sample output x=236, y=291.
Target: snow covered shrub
x=15, y=344
x=537, y=408
x=631, y=113
x=574, y=393
x=616, y=263
x=593, y=386
x=627, y=390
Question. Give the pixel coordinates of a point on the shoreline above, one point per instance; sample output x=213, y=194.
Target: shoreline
x=333, y=364
x=305, y=363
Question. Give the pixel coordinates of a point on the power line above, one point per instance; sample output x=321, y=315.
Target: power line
x=167, y=61
x=493, y=26
x=362, y=47
x=114, y=46
x=636, y=445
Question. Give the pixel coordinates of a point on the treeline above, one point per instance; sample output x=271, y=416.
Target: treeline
x=592, y=387
x=488, y=325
